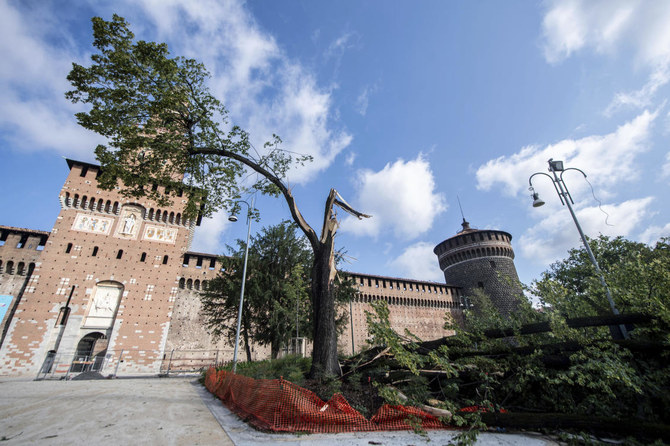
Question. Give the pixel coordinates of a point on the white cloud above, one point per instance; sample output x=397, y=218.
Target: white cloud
x=351, y=157
x=653, y=233
x=363, y=99
x=401, y=198
x=33, y=112
x=337, y=48
x=564, y=31
x=263, y=89
x=607, y=26
x=665, y=172
x=418, y=262
x=551, y=238
x=209, y=233
x=607, y=160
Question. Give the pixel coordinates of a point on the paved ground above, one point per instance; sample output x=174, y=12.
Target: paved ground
x=167, y=411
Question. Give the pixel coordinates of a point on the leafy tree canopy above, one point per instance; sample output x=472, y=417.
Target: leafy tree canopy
x=165, y=128
x=277, y=288
x=163, y=124
x=638, y=276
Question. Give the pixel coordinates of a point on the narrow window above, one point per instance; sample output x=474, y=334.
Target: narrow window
x=182, y=283
x=84, y=171
x=22, y=242
x=165, y=260
x=69, y=248
x=10, y=267
x=95, y=251
x=143, y=257
x=196, y=284
x=119, y=254
x=212, y=264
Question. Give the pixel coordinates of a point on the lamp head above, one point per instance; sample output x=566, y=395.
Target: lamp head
x=537, y=201
x=556, y=166
x=232, y=218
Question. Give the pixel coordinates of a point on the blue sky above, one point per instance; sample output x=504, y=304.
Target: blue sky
x=404, y=106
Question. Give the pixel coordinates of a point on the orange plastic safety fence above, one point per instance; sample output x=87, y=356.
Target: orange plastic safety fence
x=281, y=406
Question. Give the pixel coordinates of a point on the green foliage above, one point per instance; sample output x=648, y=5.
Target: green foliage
x=291, y=368
x=381, y=333
x=163, y=124
x=276, y=297
x=638, y=276
x=168, y=136
x=565, y=370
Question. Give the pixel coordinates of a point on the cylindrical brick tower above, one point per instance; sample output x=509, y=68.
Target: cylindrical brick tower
x=482, y=259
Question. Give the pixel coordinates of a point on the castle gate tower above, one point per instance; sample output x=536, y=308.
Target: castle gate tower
x=481, y=259
x=103, y=290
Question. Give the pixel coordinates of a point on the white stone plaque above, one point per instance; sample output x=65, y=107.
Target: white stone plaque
x=92, y=223
x=160, y=234
x=103, y=305
x=129, y=222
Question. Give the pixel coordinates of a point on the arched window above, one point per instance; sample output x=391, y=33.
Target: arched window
x=21, y=269
x=205, y=285
x=9, y=269
x=151, y=214
x=165, y=214
x=67, y=199
x=84, y=202
x=158, y=215
x=100, y=205
x=171, y=217
x=178, y=220
x=189, y=284
x=182, y=283
x=76, y=200
x=108, y=206
x=115, y=209
x=196, y=284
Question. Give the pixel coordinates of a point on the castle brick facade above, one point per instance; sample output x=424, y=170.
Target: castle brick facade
x=114, y=287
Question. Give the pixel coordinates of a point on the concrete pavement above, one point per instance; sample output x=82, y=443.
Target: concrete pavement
x=165, y=411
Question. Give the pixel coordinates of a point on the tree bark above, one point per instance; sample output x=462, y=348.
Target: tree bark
x=324, y=353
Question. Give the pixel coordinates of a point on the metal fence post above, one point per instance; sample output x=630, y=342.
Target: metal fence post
x=170, y=363
x=116, y=369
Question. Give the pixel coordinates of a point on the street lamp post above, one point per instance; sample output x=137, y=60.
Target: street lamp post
x=566, y=199
x=244, y=278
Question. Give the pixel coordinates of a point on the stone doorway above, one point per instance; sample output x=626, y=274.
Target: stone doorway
x=90, y=354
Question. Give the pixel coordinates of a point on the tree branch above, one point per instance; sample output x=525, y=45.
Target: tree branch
x=290, y=200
